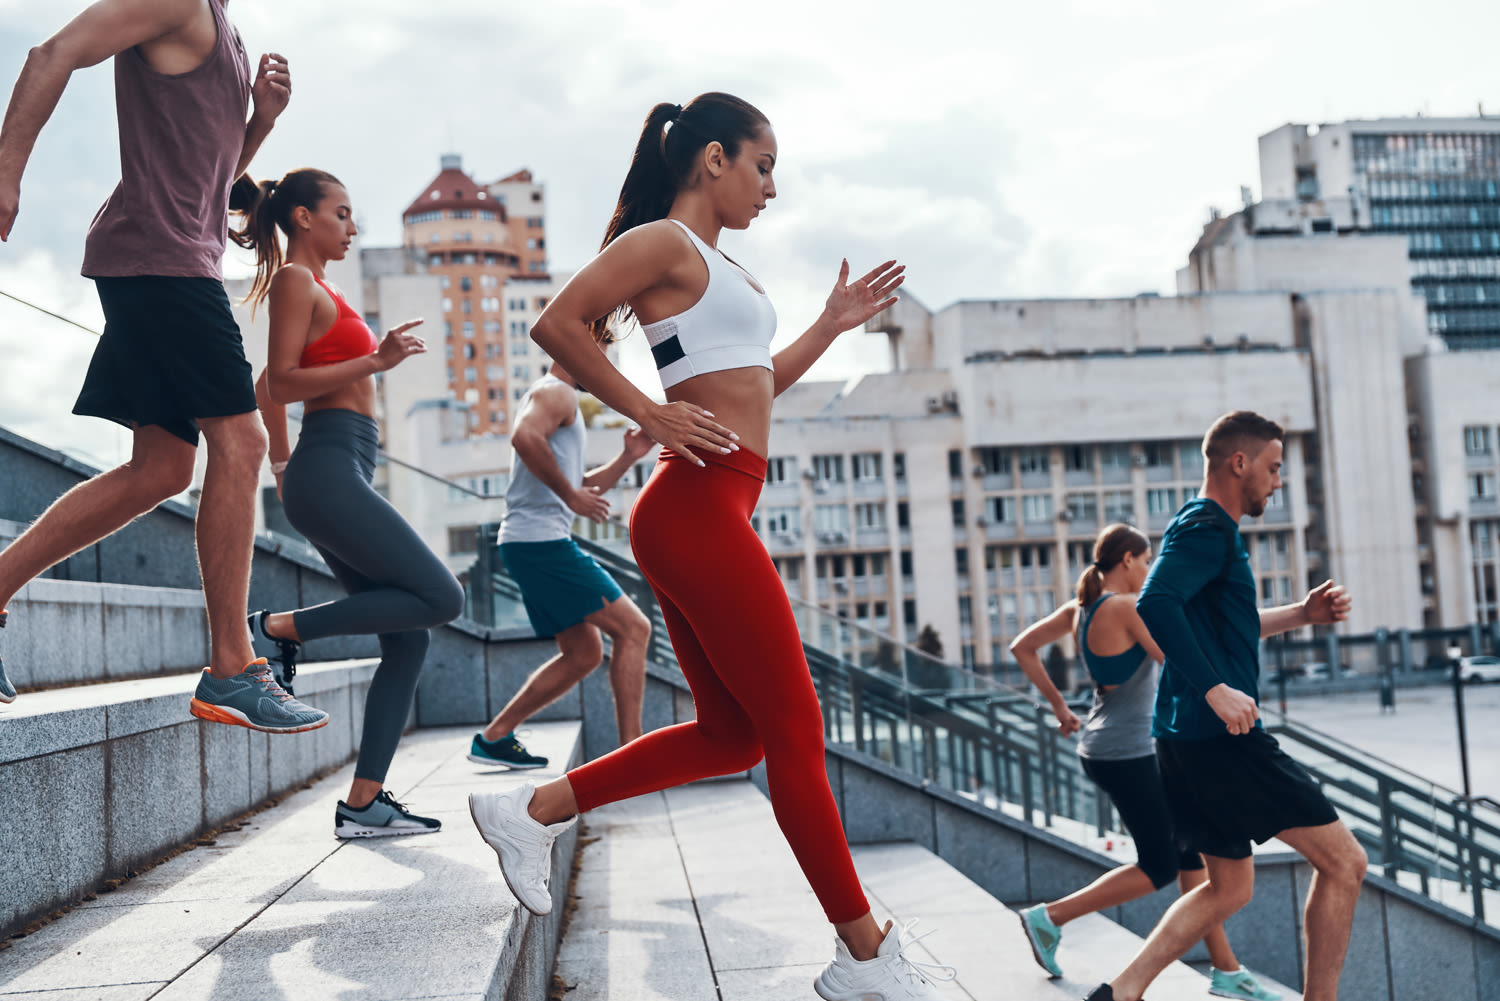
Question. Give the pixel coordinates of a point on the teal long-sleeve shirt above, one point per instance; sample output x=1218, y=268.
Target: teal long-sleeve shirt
x=1199, y=603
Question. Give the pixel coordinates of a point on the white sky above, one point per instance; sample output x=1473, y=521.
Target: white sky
x=1070, y=148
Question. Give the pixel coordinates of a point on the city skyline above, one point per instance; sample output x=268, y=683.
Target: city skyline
x=1067, y=152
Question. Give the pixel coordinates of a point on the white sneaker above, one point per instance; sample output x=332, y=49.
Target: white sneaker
x=523, y=845
x=891, y=976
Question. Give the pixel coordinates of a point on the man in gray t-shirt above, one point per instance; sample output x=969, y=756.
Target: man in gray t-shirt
x=170, y=363
x=567, y=594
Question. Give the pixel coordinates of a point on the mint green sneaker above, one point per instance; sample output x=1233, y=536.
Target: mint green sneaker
x=1044, y=937
x=7, y=690
x=1239, y=984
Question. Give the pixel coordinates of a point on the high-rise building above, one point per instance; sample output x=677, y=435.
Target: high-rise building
x=476, y=238
x=1435, y=181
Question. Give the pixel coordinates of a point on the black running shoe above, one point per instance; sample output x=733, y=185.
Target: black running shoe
x=507, y=751
x=7, y=690
x=286, y=650
x=382, y=818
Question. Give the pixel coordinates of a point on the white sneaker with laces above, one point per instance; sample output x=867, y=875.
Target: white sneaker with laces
x=891, y=976
x=523, y=845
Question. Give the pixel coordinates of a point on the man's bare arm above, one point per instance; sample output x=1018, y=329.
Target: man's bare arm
x=102, y=30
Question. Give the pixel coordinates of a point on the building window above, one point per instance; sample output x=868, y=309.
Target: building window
x=965, y=610
x=1482, y=486
x=1158, y=454
x=828, y=468
x=958, y=512
x=1082, y=507
x=463, y=540
x=1000, y=510
x=906, y=570
x=898, y=466
x=831, y=519
x=783, y=520
x=1119, y=505
x=1477, y=440
x=955, y=464
x=961, y=560
x=903, y=514
x=466, y=283
x=470, y=374
x=1078, y=458
x=909, y=614
x=1036, y=507
x=1161, y=500
x=1114, y=456
x=447, y=304
x=994, y=461
x=469, y=329
x=781, y=469
x=1190, y=455
x=468, y=352
x=869, y=516
x=1034, y=460
x=866, y=467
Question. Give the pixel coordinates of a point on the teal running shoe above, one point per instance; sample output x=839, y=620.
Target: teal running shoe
x=1240, y=983
x=1044, y=937
x=507, y=752
x=7, y=690
x=253, y=699
x=382, y=818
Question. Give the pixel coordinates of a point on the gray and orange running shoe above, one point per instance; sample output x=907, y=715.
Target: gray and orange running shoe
x=253, y=699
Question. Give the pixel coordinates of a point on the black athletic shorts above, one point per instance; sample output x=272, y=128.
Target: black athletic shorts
x=1228, y=791
x=171, y=354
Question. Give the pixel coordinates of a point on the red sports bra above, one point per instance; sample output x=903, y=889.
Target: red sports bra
x=347, y=338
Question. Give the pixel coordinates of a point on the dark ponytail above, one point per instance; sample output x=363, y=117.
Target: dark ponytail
x=1110, y=548
x=665, y=157
x=267, y=206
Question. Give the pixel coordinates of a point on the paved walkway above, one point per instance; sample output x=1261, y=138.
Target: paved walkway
x=280, y=910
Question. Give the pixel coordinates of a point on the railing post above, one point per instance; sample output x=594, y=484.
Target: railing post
x=857, y=710
x=1389, y=837
x=1047, y=773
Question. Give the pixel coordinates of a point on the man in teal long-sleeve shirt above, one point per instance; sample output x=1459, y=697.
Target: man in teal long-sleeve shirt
x=1227, y=780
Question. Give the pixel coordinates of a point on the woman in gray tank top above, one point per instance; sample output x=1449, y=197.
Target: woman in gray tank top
x=1117, y=750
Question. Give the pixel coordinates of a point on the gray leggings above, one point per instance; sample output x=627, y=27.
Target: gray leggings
x=398, y=588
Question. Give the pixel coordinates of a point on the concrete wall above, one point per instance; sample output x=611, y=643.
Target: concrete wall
x=121, y=775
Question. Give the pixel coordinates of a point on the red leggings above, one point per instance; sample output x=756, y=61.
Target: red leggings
x=737, y=641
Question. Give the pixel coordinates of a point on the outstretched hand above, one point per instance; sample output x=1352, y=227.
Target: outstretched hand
x=637, y=443
x=398, y=345
x=849, y=306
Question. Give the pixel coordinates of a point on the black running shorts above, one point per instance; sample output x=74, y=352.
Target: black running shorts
x=171, y=354
x=1226, y=792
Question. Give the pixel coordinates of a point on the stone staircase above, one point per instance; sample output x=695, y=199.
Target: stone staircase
x=279, y=909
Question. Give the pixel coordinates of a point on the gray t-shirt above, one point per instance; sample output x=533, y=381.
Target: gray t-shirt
x=533, y=513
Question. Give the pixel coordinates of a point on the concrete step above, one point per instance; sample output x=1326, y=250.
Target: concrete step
x=98, y=780
x=69, y=632
x=281, y=909
x=693, y=894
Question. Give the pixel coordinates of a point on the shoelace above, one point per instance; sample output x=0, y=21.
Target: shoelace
x=263, y=675
x=390, y=801
x=915, y=971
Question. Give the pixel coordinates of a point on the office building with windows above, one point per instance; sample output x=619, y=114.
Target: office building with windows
x=1435, y=182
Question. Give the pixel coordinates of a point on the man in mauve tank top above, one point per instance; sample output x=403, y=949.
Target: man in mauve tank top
x=170, y=363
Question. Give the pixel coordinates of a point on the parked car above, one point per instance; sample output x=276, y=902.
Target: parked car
x=1314, y=671
x=1477, y=670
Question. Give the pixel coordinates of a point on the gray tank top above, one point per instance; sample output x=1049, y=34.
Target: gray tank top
x=533, y=513
x=1118, y=727
x=180, y=139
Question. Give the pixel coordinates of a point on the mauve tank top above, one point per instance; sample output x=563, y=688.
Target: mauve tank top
x=180, y=139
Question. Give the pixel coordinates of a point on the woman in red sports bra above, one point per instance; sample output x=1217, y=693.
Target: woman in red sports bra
x=323, y=355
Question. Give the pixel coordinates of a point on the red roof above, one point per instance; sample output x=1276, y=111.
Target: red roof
x=453, y=189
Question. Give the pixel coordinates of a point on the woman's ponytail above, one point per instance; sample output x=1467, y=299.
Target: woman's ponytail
x=258, y=231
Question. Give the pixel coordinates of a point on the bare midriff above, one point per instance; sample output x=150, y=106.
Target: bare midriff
x=739, y=398
x=358, y=396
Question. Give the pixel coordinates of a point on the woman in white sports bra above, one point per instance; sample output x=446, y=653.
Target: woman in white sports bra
x=700, y=169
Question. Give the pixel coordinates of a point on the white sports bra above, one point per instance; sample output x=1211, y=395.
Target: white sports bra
x=730, y=327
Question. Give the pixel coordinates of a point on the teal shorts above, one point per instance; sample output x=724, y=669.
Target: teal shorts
x=561, y=585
